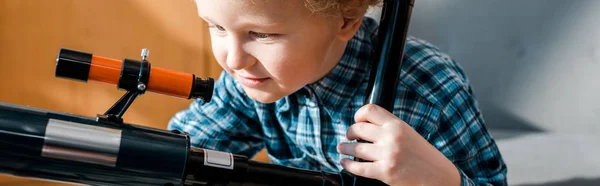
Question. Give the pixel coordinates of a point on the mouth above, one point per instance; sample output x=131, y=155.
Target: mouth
x=254, y=82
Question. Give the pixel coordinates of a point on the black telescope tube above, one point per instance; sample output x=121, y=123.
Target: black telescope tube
x=244, y=171
x=53, y=146
x=61, y=147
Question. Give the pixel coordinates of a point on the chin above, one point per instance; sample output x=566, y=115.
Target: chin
x=262, y=96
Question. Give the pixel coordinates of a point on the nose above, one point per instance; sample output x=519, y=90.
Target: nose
x=237, y=56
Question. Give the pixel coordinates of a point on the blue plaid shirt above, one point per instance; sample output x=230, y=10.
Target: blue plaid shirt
x=302, y=130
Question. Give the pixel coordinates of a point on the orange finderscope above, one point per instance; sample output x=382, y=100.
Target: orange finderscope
x=131, y=74
x=134, y=76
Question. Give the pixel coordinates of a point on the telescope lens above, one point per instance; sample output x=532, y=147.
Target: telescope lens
x=72, y=64
x=202, y=89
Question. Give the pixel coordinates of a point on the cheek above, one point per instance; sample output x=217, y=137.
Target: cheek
x=220, y=52
x=303, y=59
x=281, y=61
x=291, y=66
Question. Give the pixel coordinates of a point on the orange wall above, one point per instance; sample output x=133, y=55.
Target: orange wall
x=32, y=32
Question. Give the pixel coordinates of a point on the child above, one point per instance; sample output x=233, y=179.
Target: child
x=294, y=82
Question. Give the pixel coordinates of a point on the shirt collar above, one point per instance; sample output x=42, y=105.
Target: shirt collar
x=337, y=88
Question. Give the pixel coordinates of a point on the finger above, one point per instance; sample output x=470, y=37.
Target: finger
x=364, y=169
x=365, y=131
x=373, y=114
x=366, y=151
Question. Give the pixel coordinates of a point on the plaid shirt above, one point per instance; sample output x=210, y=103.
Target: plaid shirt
x=302, y=130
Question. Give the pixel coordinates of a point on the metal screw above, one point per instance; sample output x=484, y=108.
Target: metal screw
x=145, y=53
x=141, y=87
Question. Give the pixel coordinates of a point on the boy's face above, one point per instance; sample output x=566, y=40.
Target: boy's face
x=272, y=47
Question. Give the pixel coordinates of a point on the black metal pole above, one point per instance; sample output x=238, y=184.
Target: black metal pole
x=387, y=62
x=389, y=51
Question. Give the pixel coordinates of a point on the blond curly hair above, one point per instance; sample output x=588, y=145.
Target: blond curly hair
x=346, y=8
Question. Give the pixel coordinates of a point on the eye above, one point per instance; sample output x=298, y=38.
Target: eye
x=262, y=36
x=218, y=28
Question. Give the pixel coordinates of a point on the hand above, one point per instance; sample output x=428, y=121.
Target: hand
x=399, y=155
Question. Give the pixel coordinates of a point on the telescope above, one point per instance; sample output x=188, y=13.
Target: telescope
x=105, y=150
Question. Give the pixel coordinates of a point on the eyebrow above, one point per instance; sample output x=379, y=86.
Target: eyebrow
x=273, y=26
x=206, y=19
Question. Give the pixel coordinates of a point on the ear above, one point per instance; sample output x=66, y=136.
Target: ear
x=349, y=28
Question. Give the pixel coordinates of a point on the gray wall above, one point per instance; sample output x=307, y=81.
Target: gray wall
x=533, y=64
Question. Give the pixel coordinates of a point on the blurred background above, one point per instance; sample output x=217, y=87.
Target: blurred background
x=533, y=66
x=33, y=31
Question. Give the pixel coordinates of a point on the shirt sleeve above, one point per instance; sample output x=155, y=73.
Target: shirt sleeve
x=227, y=123
x=463, y=137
